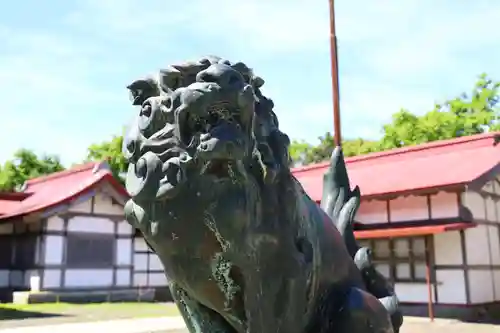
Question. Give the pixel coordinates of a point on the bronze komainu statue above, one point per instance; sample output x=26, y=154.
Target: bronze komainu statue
x=243, y=246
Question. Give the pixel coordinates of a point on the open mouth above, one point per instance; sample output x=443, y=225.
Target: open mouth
x=216, y=114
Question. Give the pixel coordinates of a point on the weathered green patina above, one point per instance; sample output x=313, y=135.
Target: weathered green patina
x=245, y=249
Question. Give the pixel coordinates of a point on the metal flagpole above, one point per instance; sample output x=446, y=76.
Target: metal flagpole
x=335, y=77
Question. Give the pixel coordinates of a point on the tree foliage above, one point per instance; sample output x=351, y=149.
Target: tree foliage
x=470, y=113
x=111, y=151
x=26, y=165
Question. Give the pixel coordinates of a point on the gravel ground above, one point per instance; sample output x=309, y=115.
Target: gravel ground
x=422, y=326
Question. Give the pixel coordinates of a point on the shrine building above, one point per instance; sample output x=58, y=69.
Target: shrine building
x=65, y=235
x=431, y=214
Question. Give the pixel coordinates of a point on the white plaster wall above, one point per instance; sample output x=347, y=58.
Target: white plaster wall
x=447, y=248
x=55, y=223
x=496, y=284
x=155, y=263
x=123, y=277
x=444, y=205
x=481, y=286
x=81, y=206
x=413, y=292
x=494, y=244
x=411, y=208
x=123, y=251
x=477, y=245
x=140, y=244
x=491, y=213
x=51, y=278
x=372, y=211
x=140, y=279
x=451, y=286
x=88, y=278
x=53, y=249
x=141, y=261
x=91, y=224
x=103, y=204
x=475, y=203
x=124, y=228
x=157, y=279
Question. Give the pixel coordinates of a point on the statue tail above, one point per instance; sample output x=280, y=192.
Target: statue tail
x=341, y=204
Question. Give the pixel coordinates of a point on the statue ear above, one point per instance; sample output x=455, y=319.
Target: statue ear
x=258, y=81
x=170, y=79
x=141, y=90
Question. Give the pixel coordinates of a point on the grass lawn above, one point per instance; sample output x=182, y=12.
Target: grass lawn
x=15, y=315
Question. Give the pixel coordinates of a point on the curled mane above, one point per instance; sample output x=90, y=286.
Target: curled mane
x=270, y=155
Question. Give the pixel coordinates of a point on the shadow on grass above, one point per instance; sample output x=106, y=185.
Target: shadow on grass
x=15, y=314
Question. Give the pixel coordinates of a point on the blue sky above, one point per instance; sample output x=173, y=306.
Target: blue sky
x=64, y=65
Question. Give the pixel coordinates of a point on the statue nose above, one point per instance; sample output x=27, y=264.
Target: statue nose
x=223, y=75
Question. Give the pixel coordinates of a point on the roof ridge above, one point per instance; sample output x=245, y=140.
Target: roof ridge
x=424, y=146
x=403, y=150
x=64, y=173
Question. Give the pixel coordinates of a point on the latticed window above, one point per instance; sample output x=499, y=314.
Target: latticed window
x=89, y=250
x=400, y=259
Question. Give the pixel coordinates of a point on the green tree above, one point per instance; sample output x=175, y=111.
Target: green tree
x=468, y=114
x=303, y=153
x=110, y=151
x=26, y=165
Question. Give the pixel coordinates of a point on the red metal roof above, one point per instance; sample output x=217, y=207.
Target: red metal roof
x=427, y=166
x=411, y=231
x=58, y=188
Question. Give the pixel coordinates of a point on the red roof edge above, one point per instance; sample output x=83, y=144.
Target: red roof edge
x=64, y=173
x=412, y=231
x=106, y=177
x=398, y=151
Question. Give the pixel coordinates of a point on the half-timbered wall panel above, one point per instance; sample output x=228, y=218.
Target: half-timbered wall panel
x=125, y=229
x=51, y=278
x=481, y=286
x=411, y=208
x=412, y=292
x=451, y=286
x=81, y=206
x=55, y=223
x=53, y=249
x=475, y=203
x=85, y=278
x=123, y=251
x=496, y=284
x=105, y=204
x=123, y=277
x=477, y=246
x=148, y=270
x=94, y=224
x=372, y=211
x=494, y=244
x=444, y=205
x=448, y=249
